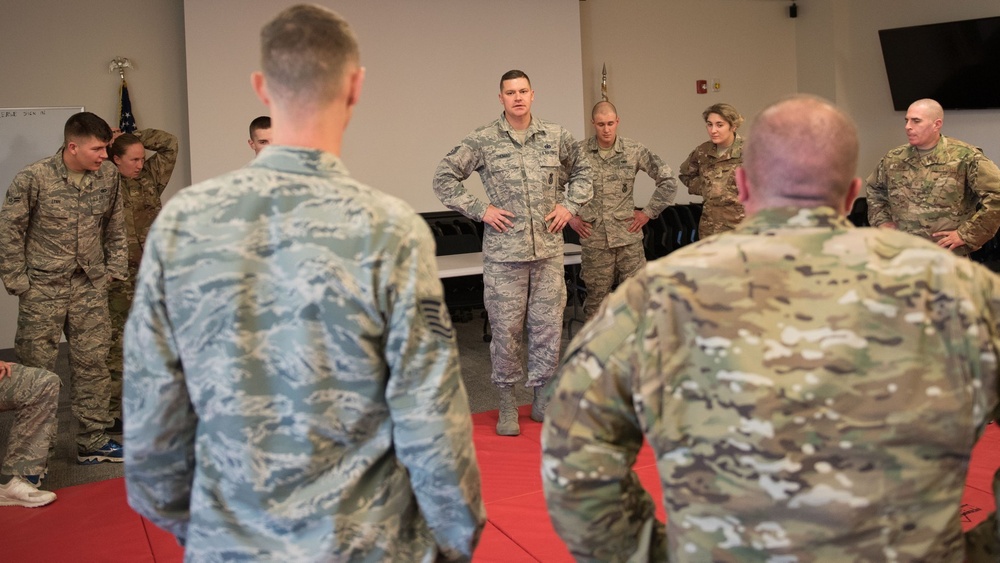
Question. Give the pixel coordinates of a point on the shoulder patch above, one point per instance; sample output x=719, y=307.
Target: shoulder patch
x=435, y=314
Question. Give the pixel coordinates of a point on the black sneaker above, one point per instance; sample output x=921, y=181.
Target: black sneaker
x=116, y=428
x=112, y=452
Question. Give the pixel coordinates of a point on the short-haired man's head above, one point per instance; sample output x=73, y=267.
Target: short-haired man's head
x=801, y=151
x=122, y=143
x=84, y=125
x=513, y=74
x=931, y=108
x=603, y=107
x=261, y=122
x=306, y=53
x=728, y=112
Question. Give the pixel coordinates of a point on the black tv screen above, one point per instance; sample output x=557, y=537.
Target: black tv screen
x=955, y=63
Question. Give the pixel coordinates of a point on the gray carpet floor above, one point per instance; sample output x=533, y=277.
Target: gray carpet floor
x=64, y=471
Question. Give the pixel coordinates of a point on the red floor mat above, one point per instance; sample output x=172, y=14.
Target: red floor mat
x=93, y=522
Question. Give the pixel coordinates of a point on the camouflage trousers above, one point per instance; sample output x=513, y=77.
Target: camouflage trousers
x=71, y=305
x=525, y=302
x=716, y=218
x=120, y=293
x=602, y=267
x=34, y=394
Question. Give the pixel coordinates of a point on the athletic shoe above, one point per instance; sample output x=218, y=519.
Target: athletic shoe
x=19, y=492
x=111, y=451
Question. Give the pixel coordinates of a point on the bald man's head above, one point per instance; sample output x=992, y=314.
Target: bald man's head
x=924, y=119
x=801, y=152
x=930, y=108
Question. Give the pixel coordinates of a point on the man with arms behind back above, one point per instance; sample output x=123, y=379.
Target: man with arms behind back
x=292, y=387
x=812, y=391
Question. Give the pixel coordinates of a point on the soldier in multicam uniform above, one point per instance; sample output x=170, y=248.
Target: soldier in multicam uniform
x=936, y=187
x=62, y=239
x=292, y=386
x=536, y=179
x=142, y=182
x=34, y=394
x=609, y=226
x=709, y=171
x=811, y=391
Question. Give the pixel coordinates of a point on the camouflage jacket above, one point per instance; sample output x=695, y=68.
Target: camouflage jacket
x=811, y=392
x=940, y=191
x=50, y=227
x=714, y=179
x=292, y=386
x=527, y=180
x=612, y=208
x=141, y=196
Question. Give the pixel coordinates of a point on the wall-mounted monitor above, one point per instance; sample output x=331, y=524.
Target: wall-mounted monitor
x=956, y=63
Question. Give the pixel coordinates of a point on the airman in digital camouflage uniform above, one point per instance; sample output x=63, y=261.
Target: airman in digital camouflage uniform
x=142, y=182
x=62, y=240
x=34, y=394
x=536, y=179
x=709, y=171
x=935, y=186
x=811, y=391
x=292, y=387
x=610, y=227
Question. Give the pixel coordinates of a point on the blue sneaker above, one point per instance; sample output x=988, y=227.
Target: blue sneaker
x=111, y=451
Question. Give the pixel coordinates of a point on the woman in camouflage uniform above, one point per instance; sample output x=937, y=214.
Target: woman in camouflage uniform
x=709, y=170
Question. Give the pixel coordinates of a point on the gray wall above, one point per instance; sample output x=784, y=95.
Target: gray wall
x=654, y=51
x=432, y=76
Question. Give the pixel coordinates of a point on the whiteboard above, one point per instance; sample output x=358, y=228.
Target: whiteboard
x=27, y=135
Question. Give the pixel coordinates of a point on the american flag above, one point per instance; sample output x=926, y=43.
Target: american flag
x=127, y=121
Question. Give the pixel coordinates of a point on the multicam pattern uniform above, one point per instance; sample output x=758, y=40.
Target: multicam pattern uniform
x=939, y=191
x=34, y=394
x=713, y=177
x=811, y=391
x=528, y=180
x=611, y=251
x=141, y=199
x=59, y=243
x=292, y=388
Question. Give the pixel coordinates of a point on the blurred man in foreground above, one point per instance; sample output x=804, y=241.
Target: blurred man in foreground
x=292, y=385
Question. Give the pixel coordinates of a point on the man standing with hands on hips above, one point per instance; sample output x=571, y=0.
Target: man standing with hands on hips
x=610, y=227
x=536, y=179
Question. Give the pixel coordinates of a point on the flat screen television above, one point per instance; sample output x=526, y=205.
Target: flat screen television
x=956, y=63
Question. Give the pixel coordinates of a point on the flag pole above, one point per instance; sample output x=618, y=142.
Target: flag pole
x=126, y=119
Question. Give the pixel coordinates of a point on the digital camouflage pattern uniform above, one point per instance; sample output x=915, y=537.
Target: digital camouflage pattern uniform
x=939, y=191
x=292, y=387
x=811, y=392
x=141, y=199
x=525, y=288
x=611, y=251
x=713, y=177
x=34, y=394
x=59, y=243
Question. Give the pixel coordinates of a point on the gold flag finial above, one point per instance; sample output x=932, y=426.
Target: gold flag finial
x=604, y=82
